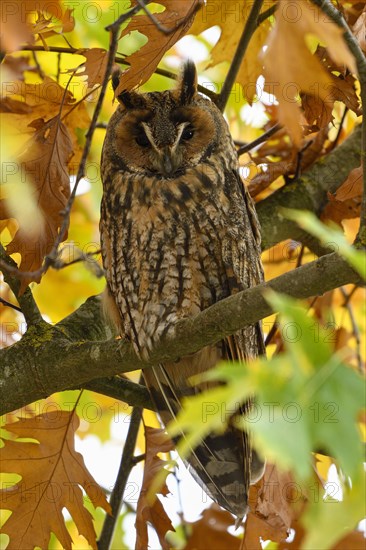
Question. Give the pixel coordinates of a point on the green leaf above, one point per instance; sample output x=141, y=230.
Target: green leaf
x=329, y=236
x=326, y=521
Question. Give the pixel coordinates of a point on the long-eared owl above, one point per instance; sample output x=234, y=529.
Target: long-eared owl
x=179, y=232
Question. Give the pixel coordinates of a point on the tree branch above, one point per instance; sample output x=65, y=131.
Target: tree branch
x=47, y=360
x=126, y=465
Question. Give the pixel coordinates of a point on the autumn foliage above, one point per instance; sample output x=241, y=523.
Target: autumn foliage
x=292, y=81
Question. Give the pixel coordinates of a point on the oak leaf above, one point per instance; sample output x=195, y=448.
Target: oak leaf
x=211, y=531
x=232, y=19
x=345, y=203
x=359, y=29
x=318, y=110
x=177, y=15
x=95, y=65
x=292, y=161
x=285, y=76
x=149, y=507
x=44, y=163
x=16, y=25
x=271, y=513
x=24, y=102
x=53, y=474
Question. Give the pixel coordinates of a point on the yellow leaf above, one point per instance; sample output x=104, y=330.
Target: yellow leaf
x=232, y=17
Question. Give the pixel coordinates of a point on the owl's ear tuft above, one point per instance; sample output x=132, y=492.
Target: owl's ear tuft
x=131, y=100
x=188, y=83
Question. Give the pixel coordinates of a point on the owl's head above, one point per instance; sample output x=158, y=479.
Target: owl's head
x=164, y=133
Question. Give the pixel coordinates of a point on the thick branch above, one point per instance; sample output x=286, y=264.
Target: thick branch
x=46, y=360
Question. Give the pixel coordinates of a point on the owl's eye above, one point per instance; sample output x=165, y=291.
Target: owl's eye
x=142, y=139
x=187, y=133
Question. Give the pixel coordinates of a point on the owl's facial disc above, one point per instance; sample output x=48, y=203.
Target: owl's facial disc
x=166, y=158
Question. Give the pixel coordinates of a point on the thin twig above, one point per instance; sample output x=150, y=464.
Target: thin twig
x=9, y=304
x=38, y=66
x=249, y=146
x=335, y=15
x=155, y=21
x=266, y=14
x=26, y=301
x=118, y=59
x=355, y=329
x=341, y=122
x=250, y=26
x=128, y=461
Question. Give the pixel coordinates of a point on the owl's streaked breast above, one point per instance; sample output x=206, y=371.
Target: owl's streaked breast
x=167, y=236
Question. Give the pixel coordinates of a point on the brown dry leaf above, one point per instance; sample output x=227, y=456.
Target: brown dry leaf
x=271, y=514
x=355, y=540
x=45, y=100
x=23, y=103
x=359, y=29
x=317, y=110
x=211, y=531
x=345, y=204
x=16, y=28
x=285, y=76
x=45, y=163
x=150, y=509
x=94, y=66
x=352, y=187
x=313, y=148
x=144, y=62
x=16, y=65
x=53, y=474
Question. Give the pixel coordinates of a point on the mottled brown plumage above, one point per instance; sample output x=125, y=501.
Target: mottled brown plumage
x=179, y=232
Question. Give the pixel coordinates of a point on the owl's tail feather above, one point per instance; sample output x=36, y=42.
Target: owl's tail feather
x=221, y=462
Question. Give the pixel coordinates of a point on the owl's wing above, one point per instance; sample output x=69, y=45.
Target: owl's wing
x=244, y=269
x=224, y=464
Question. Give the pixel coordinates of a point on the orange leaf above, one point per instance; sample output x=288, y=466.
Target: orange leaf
x=52, y=476
x=148, y=510
x=271, y=514
x=352, y=187
x=94, y=66
x=45, y=163
x=211, y=531
x=285, y=76
x=144, y=62
x=346, y=202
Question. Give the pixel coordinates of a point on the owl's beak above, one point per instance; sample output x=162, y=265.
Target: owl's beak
x=167, y=162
